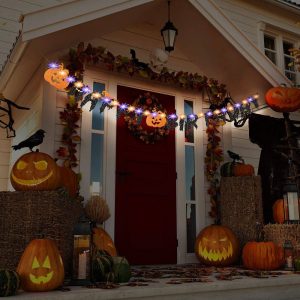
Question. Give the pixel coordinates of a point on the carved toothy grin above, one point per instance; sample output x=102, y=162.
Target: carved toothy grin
x=31, y=182
x=41, y=279
x=214, y=254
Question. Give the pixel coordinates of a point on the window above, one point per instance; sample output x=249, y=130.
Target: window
x=276, y=47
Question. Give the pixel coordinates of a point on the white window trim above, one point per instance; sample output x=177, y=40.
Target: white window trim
x=280, y=36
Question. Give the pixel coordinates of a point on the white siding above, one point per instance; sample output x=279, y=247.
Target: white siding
x=4, y=159
x=10, y=12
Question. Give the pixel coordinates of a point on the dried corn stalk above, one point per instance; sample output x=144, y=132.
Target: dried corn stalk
x=97, y=209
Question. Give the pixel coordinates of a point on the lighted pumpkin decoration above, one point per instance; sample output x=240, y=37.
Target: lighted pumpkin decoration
x=35, y=171
x=103, y=241
x=69, y=180
x=278, y=211
x=217, y=245
x=156, y=119
x=57, y=76
x=262, y=256
x=283, y=99
x=41, y=267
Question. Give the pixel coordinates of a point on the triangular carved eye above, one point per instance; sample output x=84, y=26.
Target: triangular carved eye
x=46, y=263
x=35, y=263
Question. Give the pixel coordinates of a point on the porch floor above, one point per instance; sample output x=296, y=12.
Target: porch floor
x=217, y=284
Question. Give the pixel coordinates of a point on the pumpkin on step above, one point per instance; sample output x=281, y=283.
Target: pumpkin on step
x=69, y=180
x=9, y=283
x=217, y=245
x=279, y=212
x=35, y=171
x=262, y=256
x=103, y=241
x=41, y=267
x=283, y=99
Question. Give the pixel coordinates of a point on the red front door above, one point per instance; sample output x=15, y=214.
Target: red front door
x=145, y=228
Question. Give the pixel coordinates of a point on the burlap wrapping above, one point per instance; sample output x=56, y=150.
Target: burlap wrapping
x=241, y=206
x=28, y=215
x=278, y=233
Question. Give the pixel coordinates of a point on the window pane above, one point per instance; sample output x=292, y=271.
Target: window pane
x=97, y=158
x=286, y=47
x=97, y=117
x=269, y=42
x=191, y=227
x=288, y=60
x=291, y=76
x=189, y=173
x=189, y=131
x=271, y=56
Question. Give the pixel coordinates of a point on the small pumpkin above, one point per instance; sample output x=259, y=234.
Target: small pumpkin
x=35, y=171
x=69, y=180
x=9, y=283
x=41, y=267
x=283, y=99
x=57, y=77
x=217, y=245
x=103, y=241
x=262, y=256
x=121, y=269
x=156, y=119
x=278, y=211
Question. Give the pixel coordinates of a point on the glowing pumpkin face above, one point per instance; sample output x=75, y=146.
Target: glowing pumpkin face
x=57, y=77
x=41, y=266
x=216, y=246
x=35, y=171
x=156, y=119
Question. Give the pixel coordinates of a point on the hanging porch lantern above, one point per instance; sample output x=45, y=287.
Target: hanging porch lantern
x=169, y=33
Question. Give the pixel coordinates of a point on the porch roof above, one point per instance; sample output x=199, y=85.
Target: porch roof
x=206, y=36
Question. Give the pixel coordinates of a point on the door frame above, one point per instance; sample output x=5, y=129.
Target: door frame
x=111, y=81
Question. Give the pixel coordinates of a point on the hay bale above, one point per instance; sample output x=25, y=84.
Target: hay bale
x=26, y=215
x=278, y=233
x=241, y=205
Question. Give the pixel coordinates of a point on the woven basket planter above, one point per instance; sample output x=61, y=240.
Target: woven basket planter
x=241, y=205
x=29, y=215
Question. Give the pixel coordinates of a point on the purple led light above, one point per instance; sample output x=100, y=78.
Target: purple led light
x=237, y=105
x=209, y=113
x=86, y=89
x=106, y=100
x=173, y=116
x=53, y=65
x=223, y=110
x=249, y=99
x=123, y=106
x=71, y=79
x=138, y=111
x=154, y=114
x=191, y=116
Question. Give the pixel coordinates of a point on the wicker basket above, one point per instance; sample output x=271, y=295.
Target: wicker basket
x=29, y=215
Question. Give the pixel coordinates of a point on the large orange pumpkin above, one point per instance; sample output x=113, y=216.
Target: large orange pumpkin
x=278, y=211
x=41, y=267
x=69, y=180
x=103, y=241
x=57, y=77
x=262, y=256
x=241, y=169
x=217, y=245
x=283, y=99
x=35, y=171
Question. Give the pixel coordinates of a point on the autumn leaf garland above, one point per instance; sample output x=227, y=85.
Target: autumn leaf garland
x=213, y=159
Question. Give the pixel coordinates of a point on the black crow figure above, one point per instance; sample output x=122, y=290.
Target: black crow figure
x=34, y=140
x=234, y=156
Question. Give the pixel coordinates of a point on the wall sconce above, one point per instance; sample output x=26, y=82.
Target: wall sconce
x=169, y=33
x=82, y=252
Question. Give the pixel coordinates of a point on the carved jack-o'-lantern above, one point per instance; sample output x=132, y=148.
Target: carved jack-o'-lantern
x=156, y=119
x=57, y=77
x=283, y=99
x=41, y=267
x=216, y=246
x=35, y=171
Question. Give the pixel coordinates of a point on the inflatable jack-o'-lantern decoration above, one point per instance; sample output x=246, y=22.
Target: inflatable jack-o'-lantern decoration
x=217, y=245
x=35, y=171
x=156, y=119
x=57, y=76
x=283, y=99
x=41, y=267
